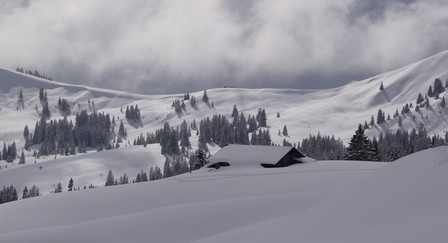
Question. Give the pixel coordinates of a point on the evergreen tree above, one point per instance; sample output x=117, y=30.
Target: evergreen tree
x=110, y=180
x=122, y=131
x=235, y=113
x=438, y=87
x=194, y=125
x=8, y=194
x=205, y=96
x=193, y=103
x=155, y=173
x=374, y=154
x=266, y=138
x=204, y=137
x=252, y=123
x=46, y=113
x=261, y=118
x=142, y=176
x=253, y=138
x=123, y=179
x=22, y=158
x=430, y=92
x=25, y=193
x=26, y=136
x=58, y=188
x=380, y=117
x=34, y=191
x=20, y=101
x=366, y=126
x=359, y=146
x=41, y=94
x=241, y=133
x=5, y=152
x=128, y=112
x=285, y=131
x=70, y=185
x=322, y=147
x=167, y=168
x=420, y=98
x=405, y=109
x=381, y=86
x=64, y=107
x=173, y=146
x=442, y=103
x=200, y=158
x=11, y=152
x=184, y=135
x=372, y=121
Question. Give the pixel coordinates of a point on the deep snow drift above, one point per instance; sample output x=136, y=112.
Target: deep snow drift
x=333, y=201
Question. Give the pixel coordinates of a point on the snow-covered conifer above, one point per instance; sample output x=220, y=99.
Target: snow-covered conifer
x=438, y=87
x=22, y=158
x=70, y=185
x=420, y=98
x=205, y=96
x=285, y=131
x=58, y=188
x=430, y=92
x=359, y=146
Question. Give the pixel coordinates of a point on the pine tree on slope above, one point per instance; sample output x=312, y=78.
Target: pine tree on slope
x=110, y=180
x=359, y=146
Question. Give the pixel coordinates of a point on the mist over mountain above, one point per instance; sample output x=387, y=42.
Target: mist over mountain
x=155, y=47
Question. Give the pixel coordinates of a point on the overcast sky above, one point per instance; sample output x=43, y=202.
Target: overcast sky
x=176, y=46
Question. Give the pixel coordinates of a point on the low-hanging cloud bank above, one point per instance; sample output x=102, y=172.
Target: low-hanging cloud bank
x=155, y=46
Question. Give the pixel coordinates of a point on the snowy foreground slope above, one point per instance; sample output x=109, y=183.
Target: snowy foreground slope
x=327, y=201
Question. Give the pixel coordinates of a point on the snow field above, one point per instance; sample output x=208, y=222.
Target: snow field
x=327, y=201
x=197, y=205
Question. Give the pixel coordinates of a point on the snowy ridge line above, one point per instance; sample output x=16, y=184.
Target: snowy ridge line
x=11, y=79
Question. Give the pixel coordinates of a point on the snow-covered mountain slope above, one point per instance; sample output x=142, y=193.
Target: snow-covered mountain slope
x=85, y=169
x=333, y=111
x=332, y=201
x=12, y=79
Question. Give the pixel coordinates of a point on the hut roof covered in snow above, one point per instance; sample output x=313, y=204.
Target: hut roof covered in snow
x=256, y=155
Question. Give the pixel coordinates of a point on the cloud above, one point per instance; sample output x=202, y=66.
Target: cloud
x=171, y=46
